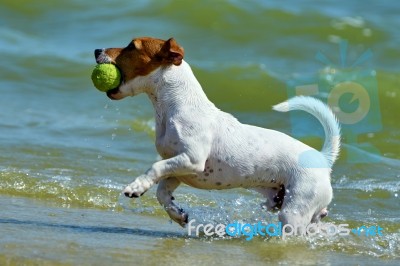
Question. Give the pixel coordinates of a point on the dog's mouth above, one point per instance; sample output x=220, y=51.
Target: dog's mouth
x=115, y=93
x=102, y=58
x=112, y=93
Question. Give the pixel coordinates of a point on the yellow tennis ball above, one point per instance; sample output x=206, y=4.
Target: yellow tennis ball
x=106, y=77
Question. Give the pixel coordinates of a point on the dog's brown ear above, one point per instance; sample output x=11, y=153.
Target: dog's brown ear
x=175, y=52
x=137, y=43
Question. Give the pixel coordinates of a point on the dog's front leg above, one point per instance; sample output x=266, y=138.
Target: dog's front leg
x=164, y=195
x=176, y=166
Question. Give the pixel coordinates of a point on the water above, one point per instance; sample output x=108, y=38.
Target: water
x=67, y=150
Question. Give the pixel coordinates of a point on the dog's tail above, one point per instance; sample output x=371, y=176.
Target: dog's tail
x=324, y=115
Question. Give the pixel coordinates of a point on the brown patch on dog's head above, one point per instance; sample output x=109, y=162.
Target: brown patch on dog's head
x=144, y=55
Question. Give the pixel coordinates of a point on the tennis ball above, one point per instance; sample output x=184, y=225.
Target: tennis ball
x=106, y=77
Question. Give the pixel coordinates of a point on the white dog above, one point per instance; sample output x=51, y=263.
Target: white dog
x=206, y=148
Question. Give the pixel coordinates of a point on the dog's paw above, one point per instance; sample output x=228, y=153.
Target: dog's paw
x=133, y=190
x=178, y=215
x=323, y=213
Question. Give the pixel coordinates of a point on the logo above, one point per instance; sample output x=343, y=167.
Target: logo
x=351, y=90
x=237, y=229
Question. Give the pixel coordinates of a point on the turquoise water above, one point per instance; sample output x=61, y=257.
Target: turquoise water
x=66, y=150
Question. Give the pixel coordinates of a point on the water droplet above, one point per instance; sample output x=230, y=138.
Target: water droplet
x=396, y=195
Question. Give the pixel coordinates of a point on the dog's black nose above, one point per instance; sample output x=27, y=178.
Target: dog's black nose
x=97, y=52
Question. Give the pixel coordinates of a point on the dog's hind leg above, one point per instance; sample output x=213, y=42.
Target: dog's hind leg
x=164, y=195
x=304, y=204
x=319, y=215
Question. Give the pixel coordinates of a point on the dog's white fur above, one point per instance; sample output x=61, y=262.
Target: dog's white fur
x=209, y=149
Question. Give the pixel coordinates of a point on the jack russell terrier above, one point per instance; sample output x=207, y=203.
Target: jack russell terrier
x=206, y=148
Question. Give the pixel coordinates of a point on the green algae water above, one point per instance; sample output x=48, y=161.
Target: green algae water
x=66, y=150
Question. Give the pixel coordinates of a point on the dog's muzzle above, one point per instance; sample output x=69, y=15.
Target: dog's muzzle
x=102, y=58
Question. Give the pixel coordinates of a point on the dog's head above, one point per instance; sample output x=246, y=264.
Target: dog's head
x=141, y=57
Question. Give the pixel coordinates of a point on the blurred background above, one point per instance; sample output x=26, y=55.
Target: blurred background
x=66, y=150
